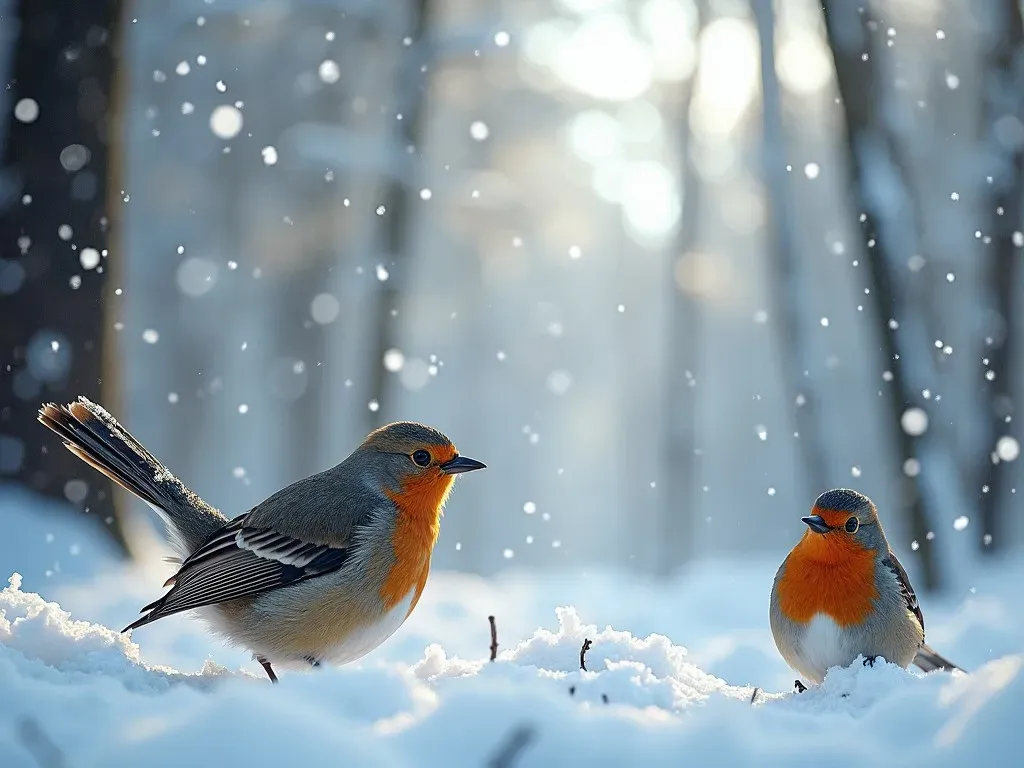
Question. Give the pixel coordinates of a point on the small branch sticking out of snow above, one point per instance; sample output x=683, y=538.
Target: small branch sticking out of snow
x=583, y=653
x=516, y=742
x=494, y=638
x=35, y=741
x=753, y=696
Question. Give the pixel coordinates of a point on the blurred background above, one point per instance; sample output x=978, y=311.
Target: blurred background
x=671, y=268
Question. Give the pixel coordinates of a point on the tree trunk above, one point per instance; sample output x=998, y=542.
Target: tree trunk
x=786, y=282
x=888, y=234
x=410, y=92
x=53, y=239
x=1004, y=80
x=675, y=543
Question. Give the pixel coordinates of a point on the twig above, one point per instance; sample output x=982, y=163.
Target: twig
x=494, y=638
x=753, y=696
x=509, y=752
x=39, y=745
x=583, y=653
x=587, y=643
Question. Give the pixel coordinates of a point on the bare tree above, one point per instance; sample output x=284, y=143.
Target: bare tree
x=787, y=282
x=1004, y=98
x=410, y=97
x=54, y=233
x=683, y=353
x=890, y=222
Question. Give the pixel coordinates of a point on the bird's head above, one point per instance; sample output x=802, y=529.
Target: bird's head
x=415, y=464
x=843, y=520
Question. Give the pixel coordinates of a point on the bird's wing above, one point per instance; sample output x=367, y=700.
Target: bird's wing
x=894, y=565
x=240, y=560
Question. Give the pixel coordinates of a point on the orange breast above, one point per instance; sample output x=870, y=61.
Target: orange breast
x=420, y=503
x=834, y=577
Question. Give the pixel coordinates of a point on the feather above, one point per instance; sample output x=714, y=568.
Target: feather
x=240, y=561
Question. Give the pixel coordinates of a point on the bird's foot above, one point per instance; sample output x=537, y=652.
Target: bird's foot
x=800, y=687
x=267, y=668
x=869, y=661
x=313, y=662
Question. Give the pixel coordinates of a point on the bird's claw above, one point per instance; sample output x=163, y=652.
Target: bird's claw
x=869, y=661
x=800, y=687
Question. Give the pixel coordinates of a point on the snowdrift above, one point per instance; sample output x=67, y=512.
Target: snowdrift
x=79, y=694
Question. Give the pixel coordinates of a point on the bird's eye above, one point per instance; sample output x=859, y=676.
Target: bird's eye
x=421, y=458
x=852, y=525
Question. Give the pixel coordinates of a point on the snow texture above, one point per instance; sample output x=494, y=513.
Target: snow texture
x=84, y=689
x=74, y=692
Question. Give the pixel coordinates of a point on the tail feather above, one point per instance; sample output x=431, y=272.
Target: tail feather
x=94, y=436
x=90, y=448
x=931, y=660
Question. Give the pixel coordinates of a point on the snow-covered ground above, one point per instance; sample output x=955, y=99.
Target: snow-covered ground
x=678, y=663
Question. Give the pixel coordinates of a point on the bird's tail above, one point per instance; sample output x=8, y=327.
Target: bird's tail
x=930, y=660
x=95, y=437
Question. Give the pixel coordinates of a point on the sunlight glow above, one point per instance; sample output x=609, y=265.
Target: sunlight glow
x=804, y=65
x=728, y=77
x=671, y=25
x=602, y=58
x=650, y=200
x=595, y=135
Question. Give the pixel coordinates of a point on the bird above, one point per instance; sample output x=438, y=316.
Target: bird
x=842, y=593
x=321, y=572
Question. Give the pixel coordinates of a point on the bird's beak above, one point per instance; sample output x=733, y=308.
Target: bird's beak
x=816, y=524
x=461, y=464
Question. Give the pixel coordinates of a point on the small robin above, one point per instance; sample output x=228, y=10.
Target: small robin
x=842, y=593
x=323, y=571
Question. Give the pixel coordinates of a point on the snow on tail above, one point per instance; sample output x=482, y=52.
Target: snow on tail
x=95, y=437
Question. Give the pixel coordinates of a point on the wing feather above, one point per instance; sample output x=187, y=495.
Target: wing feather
x=906, y=589
x=241, y=561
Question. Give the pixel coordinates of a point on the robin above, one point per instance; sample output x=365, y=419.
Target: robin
x=842, y=593
x=323, y=571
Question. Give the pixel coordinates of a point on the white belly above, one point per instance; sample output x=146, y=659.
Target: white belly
x=369, y=636
x=824, y=644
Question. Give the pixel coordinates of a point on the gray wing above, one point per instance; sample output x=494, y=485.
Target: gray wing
x=894, y=565
x=240, y=560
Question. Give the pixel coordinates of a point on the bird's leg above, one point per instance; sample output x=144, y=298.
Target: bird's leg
x=800, y=687
x=267, y=668
x=869, y=661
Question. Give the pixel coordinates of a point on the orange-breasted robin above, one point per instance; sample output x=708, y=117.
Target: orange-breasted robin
x=842, y=593
x=323, y=571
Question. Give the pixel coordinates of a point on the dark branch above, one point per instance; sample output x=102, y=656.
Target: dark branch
x=583, y=653
x=494, y=638
x=35, y=741
x=508, y=753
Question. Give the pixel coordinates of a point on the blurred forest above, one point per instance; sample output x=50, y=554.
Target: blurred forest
x=670, y=267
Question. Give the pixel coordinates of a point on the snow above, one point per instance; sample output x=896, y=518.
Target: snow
x=170, y=695
x=87, y=689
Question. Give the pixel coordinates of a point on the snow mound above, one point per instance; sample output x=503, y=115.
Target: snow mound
x=79, y=692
